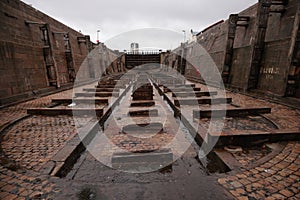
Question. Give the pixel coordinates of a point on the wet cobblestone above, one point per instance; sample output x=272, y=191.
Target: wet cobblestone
x=17, y=186
x=251, y=155
x=283, y=116
x=11, y=113
x=278, y=178
x=33, y=141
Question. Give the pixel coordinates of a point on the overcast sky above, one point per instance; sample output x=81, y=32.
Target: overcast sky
x=114, y=17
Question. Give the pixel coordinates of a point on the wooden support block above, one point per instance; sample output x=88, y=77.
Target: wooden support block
x=82, y=101
x=143, y=113
x=151, y=128
x=142, y=162
x=196, y=94
x=101, y=90
x=172, y=89
x=65, y=111
x=112, y=86
x=236, y=112
x=146, y=103
x=199, y=101
x=96, y=94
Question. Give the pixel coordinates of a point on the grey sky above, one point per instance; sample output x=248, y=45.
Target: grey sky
x=113, y=17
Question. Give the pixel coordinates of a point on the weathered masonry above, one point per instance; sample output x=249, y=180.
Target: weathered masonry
x=256, y=49
x=39, y=54
x=259, y=48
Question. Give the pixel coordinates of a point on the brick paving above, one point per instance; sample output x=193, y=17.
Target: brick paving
x=29, y=144
x=283, y=116
x=250, y=155
x=11, y=113
x=21, y=186
x=278, y=178
x=34, y=140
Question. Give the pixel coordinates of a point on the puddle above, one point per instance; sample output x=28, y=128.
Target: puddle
x=87, y=194
x=213, y=163
x=150, y=128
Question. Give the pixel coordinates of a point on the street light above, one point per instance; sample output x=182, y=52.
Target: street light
x=183, y=35
x=98, y=31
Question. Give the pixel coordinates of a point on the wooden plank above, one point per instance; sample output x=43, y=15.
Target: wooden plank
x=65, y=111
x=236, y=112
x=101, y=89
x=142, y=103
x=140, y=113
x=151, y=128
x=82, y=100
x=172, y=89
x=142, y=162
x=111, y=86
x=180, y=85
x=200, y=101
x=191, y=94
x=96, y=94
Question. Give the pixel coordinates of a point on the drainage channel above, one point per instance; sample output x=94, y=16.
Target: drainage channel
x=142, y=135
x=143, y=152
x=200, y=106
x=95, y=104
x=164, y=84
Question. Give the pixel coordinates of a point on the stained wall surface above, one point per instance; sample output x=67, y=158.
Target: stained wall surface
x=279, y=69
x=23, y=63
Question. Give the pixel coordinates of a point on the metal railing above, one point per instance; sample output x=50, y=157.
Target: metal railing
x=153, y=52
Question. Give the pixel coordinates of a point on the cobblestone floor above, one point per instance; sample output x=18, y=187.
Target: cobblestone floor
x=11, y=113
x=278, y=178
x=21, y=186
x=283, y=116
x=33, y=141
x=30, y=143
x=251, y=155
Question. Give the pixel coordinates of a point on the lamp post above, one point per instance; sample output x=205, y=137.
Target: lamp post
x=98, y=31
x=183, y=36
